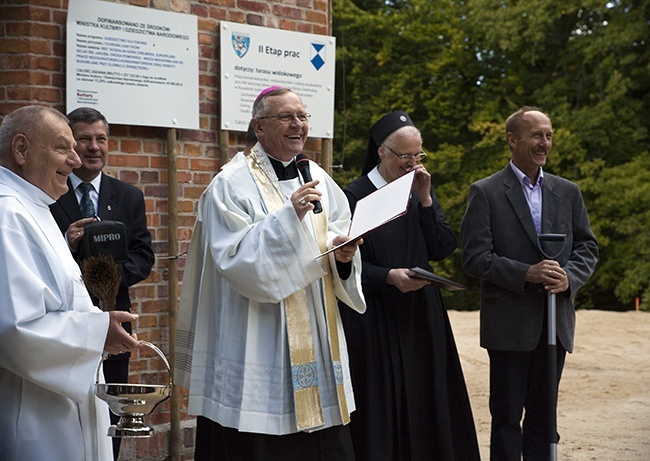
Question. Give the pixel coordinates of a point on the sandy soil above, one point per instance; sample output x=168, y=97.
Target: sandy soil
x=604, y=401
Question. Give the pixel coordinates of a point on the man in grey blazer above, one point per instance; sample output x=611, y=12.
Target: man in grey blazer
x=505, y=214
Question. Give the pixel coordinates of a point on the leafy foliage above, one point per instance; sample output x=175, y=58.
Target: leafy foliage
x=461, y=67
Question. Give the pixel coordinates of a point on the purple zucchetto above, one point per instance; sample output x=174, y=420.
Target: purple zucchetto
x=265, y=91
x=386, y=126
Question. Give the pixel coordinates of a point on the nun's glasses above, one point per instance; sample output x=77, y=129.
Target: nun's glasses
x=416, y=157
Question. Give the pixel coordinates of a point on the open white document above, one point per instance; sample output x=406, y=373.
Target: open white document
x=385, y=204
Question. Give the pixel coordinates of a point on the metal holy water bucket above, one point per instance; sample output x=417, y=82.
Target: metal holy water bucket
x=132, y=402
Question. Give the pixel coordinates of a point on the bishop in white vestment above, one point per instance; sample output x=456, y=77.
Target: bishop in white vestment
x=251, y=253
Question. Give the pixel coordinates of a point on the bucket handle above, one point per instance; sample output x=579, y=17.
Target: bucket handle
x=144, y=343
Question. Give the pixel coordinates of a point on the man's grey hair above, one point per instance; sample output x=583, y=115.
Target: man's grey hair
x=25, y=120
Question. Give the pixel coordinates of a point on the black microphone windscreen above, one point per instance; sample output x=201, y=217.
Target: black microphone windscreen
x=302, y=163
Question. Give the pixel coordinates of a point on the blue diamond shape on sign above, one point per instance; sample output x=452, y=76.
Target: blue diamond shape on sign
x=317, y=55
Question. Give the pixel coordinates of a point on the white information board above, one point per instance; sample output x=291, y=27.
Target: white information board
x=137, y=66
x=254, y=58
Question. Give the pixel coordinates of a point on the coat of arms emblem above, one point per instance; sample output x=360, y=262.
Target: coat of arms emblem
x=240, y=43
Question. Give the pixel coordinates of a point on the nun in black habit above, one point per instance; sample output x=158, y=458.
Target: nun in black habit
x=410, y=394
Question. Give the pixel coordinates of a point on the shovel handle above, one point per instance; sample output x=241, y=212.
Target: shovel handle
x=551, y=238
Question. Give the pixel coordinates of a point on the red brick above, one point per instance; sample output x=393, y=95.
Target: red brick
x=254, y=19
x=185, y=206
x=286, y=11
x=48, y=3
x=14, y=45
x=130, y=161
x=128, y=146
x=149, y=177
x=115, y=131
x=45, y=63
x=253, y=6
x=37, y=14
x=315, y=16
x=153, y=132
x=192, y=192
x=129, y=176
x=146, y=321
x=226, y=3
x=320, y=30
x=199, y=164
x=22, y=93
x=201, y=12
x=184, y=177
x=321, y=5
x=58, y=48
x=9, y=77
x=38, y=46
x=192, y=150
x=156, y=191
x=18, y=29
x=152, y=147
x=285, y=24
x=20, y=13
x=304, y=27
x=34, y=93
x=60, y=16
x=58, y=80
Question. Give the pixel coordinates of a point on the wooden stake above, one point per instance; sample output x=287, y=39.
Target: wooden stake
x=175, y=440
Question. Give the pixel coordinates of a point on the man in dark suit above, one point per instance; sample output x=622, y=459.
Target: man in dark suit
x=505, y=214
x=109, y=199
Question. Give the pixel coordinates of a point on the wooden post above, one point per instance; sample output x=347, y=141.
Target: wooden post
x=328, y=144
x=173, y=250
x=328, y=157
x=223, y=147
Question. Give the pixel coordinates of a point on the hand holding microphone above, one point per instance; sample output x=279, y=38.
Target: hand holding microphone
x=302, y=163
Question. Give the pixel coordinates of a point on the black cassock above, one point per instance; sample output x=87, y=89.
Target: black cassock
x=410, y=394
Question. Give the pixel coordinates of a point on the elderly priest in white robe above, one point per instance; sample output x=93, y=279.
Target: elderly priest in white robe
x=261, y=346
x=51, y=336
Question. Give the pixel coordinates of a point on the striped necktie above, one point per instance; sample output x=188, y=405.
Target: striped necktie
x=86, y=205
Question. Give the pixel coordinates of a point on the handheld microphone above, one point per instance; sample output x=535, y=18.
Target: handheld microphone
x=302, y=163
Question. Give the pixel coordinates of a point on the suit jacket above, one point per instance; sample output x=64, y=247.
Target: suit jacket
x=118, y=201
x=499, y=243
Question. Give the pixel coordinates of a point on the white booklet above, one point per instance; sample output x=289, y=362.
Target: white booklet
x=383, y=205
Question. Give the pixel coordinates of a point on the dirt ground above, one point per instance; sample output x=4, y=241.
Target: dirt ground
x=604, y=400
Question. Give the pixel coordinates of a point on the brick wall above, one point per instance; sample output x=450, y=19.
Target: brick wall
x=32, y=71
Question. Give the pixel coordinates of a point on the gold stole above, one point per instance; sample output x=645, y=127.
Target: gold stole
x=331, y=311
x=304, y=370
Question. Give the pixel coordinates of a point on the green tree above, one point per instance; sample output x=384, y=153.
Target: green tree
x=620, y=215
x=461, y=67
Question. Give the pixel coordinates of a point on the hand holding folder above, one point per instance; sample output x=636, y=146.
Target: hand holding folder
x=382, y=206
x=436, y=280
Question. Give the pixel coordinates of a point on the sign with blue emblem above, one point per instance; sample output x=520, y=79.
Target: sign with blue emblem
x=253, y=58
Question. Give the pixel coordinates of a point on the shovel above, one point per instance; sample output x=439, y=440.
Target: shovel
x=559, y=242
